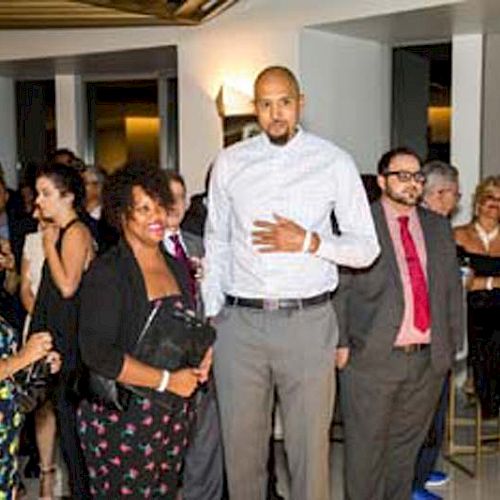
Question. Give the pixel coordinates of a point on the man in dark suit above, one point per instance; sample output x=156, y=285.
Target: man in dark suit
x=203, y=468
x=400, y=325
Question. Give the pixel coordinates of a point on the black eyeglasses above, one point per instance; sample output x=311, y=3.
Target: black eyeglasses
x=404, y=176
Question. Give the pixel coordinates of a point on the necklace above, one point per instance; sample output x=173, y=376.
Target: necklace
x=485, y=236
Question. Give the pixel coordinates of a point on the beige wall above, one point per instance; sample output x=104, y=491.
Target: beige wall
x=230, y=48
x=491, y=107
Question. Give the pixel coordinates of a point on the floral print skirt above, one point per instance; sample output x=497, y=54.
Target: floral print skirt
x=11, y=419
x=136, y=453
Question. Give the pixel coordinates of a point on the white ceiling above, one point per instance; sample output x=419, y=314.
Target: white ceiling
x=419, y=26
x=120, y=64
x=437, y=22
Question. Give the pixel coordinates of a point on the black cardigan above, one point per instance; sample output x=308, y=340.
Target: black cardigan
x=114, y=307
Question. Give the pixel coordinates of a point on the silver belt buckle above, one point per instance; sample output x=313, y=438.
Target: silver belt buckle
x=271, y=304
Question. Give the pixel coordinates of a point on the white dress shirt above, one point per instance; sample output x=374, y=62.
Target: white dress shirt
x=304, y=181
x=169, y=244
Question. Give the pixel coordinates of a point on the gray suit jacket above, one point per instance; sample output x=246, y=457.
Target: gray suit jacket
x=370, y=304
x=194, y=244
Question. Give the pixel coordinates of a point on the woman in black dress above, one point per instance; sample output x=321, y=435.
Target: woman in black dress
x=479, y=246
x=68, y=249
x=138, y=451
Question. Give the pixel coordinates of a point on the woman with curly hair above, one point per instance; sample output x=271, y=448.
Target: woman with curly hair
x=136, y=451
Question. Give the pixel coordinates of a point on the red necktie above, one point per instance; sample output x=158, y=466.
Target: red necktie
x=421, y=310
x=181, y=257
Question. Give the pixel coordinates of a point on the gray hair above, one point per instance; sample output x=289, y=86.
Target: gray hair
x=436, y=171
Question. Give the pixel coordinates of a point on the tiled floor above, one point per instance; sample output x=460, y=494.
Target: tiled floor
x=461, y=487
x=486, y=486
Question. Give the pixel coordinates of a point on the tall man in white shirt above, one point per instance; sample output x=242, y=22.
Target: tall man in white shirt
x=203, y=477
x=271, y=267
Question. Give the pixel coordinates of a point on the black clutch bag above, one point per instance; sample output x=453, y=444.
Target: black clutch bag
x=33, y=386
x=171, y=339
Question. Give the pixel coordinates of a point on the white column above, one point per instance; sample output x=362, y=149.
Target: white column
x=70, y=116
x=491, y=107
x=8, y=136
x=466, y=98
x=162, y=114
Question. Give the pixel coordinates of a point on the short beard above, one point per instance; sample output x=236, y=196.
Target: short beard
x=400, y=199
x=279, y=140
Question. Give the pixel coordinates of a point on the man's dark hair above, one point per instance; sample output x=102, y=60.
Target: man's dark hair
x=173, y=176
x=66, y=180
x=60, y=152
x=385, y=160
x=117, y=191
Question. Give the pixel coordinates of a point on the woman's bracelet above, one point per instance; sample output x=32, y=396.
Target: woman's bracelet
x=165, y=378
x=489, y=283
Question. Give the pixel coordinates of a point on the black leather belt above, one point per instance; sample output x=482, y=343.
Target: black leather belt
x=275, y=304
x=411, y=348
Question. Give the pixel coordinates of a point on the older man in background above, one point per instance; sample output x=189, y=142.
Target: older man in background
x=441, y=195
x=203, y=477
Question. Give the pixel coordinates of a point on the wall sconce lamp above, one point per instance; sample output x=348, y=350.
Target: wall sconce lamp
x=237, y=114
x=233, y=102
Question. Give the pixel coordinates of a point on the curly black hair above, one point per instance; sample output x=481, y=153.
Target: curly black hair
x=117, y=190
x=66, y=180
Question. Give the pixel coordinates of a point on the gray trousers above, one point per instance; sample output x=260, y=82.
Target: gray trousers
x=203, y=477
x=293, y=352
x=386, y=412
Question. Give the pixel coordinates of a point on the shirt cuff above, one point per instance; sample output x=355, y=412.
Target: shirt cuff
x=213, y=305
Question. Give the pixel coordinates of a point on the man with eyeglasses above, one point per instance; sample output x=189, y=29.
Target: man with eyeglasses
x=400, y=324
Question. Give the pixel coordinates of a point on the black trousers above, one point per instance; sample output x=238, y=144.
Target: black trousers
x=484, y=347
x=204, y=462
x=65, y=403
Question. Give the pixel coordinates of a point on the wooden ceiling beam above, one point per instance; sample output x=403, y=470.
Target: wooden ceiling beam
x=157, y=8
x=50, y=13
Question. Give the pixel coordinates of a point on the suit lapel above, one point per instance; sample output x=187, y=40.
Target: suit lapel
x=194, y=244
x=387, y=245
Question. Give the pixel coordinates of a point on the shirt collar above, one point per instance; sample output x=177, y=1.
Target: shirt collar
x=169, y=232
x=392, y=214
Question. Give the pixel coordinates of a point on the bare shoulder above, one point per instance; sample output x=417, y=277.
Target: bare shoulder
x=462, y=233
x=79, y=232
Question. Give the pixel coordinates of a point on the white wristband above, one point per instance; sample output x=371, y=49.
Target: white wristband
x=165, y=377
x=307, y=242
x=489, y=283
